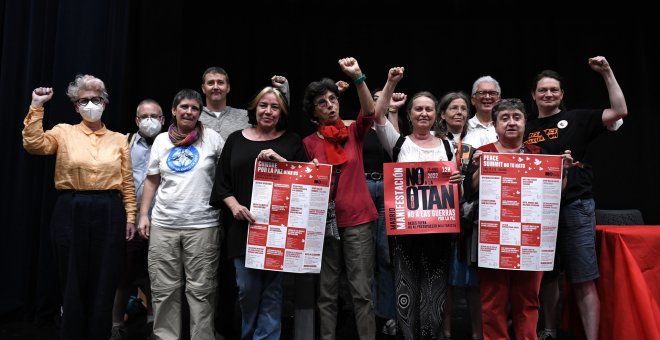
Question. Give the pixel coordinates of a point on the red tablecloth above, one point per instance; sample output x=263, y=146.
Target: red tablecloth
x=629, y=284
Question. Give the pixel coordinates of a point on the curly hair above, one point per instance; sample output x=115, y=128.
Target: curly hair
x=508, y=104
x=86, y=83
x=315, y=89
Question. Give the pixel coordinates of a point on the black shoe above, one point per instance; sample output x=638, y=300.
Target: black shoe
x=147, y=330
x=118, y=333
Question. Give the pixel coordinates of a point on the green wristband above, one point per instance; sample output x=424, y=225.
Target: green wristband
x=359, y=80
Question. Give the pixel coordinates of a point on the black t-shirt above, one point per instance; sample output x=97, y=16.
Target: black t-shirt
x=373, y=153
x=234, y=177
x=569, y=130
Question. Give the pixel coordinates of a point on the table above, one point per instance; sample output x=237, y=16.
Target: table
x=629, y=284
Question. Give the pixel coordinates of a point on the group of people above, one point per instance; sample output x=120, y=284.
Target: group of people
x=165, y=203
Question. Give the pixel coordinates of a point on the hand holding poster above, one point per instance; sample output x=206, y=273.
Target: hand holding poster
x=419, y=198
x=519, y=196
x=289, y=202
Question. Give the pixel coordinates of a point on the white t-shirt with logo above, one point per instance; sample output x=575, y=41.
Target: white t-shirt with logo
x=187, y=175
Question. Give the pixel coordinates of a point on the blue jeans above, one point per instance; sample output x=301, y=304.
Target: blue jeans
x=260, y=297
x=383, y=287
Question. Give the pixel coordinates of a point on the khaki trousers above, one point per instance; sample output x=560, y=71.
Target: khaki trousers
x=355, y=250
x=175, y=254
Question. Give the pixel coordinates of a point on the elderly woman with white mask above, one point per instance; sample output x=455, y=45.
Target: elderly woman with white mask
x=95, y=211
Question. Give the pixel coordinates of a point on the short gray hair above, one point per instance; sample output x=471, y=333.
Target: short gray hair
x=86, y=82
x=485, y=79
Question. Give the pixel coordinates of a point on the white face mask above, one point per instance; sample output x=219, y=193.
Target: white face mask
x=91, y=112
x=150, y=127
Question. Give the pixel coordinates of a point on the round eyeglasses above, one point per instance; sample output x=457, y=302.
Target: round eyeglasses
x=323, y=103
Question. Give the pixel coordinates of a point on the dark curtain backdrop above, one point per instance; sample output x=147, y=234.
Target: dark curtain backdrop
x=152, y=49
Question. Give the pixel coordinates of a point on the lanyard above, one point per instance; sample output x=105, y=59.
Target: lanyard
x=459, y=154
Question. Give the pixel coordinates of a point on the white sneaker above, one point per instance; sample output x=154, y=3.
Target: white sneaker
x=390, y=327
x=546, y=335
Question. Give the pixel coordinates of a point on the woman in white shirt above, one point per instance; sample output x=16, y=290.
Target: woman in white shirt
x=420, y=262
x=183, y=229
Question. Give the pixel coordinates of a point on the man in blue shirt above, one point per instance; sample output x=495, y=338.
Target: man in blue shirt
x=149, y=119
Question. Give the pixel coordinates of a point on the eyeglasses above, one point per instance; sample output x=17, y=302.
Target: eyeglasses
x=484, y=93
x=149, y=115
x=324, y=103
x=85, y=101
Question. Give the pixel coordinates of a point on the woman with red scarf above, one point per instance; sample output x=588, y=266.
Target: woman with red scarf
x=334, y=143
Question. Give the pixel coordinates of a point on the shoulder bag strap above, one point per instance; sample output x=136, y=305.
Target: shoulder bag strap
x=397, y=148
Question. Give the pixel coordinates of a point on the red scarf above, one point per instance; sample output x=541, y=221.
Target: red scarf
x=333, y=137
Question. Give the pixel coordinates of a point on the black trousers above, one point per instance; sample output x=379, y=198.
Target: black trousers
x=88, y=232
